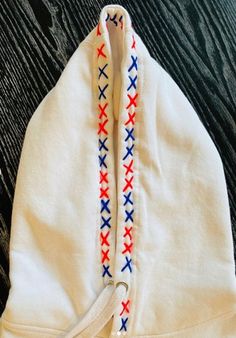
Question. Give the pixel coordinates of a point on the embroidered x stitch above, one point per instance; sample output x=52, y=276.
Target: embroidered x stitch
x=134, y=63
x=100, y=51
x=129, y=215
x=104, y=192
x=132, y=100
x=128, y=199
x=125, y=307
x=106, y=222
x=101, y=71
x=102, y=127
x=123, y=324
x=114, y=19
x=102, y=91
x=98, y=29
x=102, y=144
x=128, y=248
x=134, y=42
x=130, y=134
x=106, y=271
x=105, y=256
x=121, y=22
x=129, y=152
x=132, y=82
x=131, y=118
x=102, y=110
x=128, y=167
x=102, y=160
x=128, y=232
x=103, y=177
x=128, y=264
x=104, y=206
x=104, y=238
x=128, y=183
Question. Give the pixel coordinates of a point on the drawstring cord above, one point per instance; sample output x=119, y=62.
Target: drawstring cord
x=101, y=311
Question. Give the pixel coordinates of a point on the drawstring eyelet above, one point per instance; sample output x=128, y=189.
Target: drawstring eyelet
x=110, y=282
x=123, y=283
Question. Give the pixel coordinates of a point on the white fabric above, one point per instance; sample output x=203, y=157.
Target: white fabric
x=182, y=283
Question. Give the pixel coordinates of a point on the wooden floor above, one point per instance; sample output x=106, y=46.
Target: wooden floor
x=194, y=40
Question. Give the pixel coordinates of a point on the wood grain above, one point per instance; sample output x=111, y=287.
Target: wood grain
x=194, y=40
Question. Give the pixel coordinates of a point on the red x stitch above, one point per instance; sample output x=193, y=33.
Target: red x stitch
x=128, y=183
x=134, y=43
x=131, y=119
x=98, y=30
x=102, y=110
x=128, y=248
x=102, y=127
x=105, y=256
x=128, y=167
x=104, y=192
x=100, y=51
x=104, y=239
x=128, y=232
x=132, y=100
x=125, y=307
x=103, y=177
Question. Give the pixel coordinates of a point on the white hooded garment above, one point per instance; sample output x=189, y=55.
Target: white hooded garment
x=120, y=222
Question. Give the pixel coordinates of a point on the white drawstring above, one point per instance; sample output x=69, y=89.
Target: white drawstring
x=100, y=312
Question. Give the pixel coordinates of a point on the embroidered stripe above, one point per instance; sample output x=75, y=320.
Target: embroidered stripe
x=103, y=148
x=129, y=177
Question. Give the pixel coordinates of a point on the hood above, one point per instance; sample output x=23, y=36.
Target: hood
x=120, y=222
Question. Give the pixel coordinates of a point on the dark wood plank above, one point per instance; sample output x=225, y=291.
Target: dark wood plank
x=194, y=40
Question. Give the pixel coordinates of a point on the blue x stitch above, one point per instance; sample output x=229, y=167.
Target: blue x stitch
x=132, y=82
x=128, y=198
x=113, y=19
x=129, y=215
x=102, y=90
x=130, y=134
x=102, y=160
x=127, y=265
x=134, y=63
x=123, y=324
x=102, y=144
x=106, y=271
x=129, y=152
x=105, y=222
x=101, y=70
x=104, y=206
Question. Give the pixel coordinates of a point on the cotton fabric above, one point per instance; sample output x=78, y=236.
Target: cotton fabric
x=119, y=183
